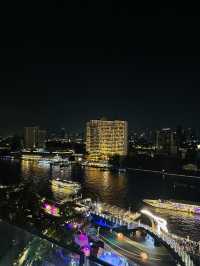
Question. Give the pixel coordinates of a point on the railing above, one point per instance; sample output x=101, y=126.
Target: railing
x=176, y=247
x=21, y=247
x=184, y=257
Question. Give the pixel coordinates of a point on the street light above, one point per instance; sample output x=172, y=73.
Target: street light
x=120, y=236
x=144, y=256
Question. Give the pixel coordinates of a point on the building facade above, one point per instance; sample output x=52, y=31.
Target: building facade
x=31, y=137
x=42, y=135
x=166, y=141
x=34, y=137
x=106, y=138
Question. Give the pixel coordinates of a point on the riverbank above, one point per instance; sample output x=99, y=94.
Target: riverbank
x=163, y=173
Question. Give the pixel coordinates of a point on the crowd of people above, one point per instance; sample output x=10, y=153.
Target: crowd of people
x=190, y=247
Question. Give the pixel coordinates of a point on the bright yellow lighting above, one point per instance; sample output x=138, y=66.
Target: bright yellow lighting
x=144, y=256
x=120, y=236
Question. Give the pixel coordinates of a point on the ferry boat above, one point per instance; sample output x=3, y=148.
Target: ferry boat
x=59, y=160
x=173, y=205
x=65, y=184
x=44, y=161
x=56, y=160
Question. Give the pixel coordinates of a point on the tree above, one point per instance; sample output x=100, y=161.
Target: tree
x=16, y=143
x=191, y=156
x=118, y=161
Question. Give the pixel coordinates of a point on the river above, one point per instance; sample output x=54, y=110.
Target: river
x=124, y=190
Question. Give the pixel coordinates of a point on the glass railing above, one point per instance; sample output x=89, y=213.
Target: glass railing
x=19, y=247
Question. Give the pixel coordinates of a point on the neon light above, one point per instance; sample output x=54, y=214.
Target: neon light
x=86, y=251
x=102, y=222
x=82, y=240
x=51, y=209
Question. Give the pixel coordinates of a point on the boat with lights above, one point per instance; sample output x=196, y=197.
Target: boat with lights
x=56, y=160
x=65, y=184
x=59, y=160
x=174, y=205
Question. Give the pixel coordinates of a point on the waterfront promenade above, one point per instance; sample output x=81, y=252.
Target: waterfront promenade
x=136, y=252
x=171, y=242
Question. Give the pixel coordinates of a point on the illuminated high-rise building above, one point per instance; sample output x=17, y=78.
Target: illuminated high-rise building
x=31, y=135
x=34, y=137
x=106, y=138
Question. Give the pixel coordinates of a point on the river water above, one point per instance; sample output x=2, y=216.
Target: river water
x=124, y=190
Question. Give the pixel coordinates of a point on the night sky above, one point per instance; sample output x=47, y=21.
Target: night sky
x=85, y=62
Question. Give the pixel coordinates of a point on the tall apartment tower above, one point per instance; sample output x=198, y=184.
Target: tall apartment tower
x=34, y=137
x=31, y=135
x=106, y=138
x=42, y=135
x=166, y=141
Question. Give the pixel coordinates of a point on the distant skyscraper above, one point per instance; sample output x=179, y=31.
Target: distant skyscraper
x=179, y=136
x=190, y=134
x=166, y=141
x=106, y=138
x=62, y=133
x=31, y=137
x=34, y=137
x=42, y=134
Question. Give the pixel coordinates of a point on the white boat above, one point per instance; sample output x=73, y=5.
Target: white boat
x=65, y=184
x=59, y=160
x=44, y=161
x=174, y=205
x=56, y=160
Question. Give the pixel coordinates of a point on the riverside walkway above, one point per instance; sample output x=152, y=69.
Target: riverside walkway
x=127, y=219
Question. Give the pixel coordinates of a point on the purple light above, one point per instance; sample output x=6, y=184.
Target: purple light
x=53, y=210
x=69, y=226
x=81, y=240
x=47, y=206
x=86, y=251
x=197, y=210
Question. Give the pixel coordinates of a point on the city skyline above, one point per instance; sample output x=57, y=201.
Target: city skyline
x=60, y=130
x=56, y=131
x=73, y=107
x=100, y=135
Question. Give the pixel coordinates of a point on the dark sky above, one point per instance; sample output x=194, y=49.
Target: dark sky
x=84, y=62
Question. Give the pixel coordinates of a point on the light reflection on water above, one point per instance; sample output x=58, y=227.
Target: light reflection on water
x=125, y=190
x=107, y=187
